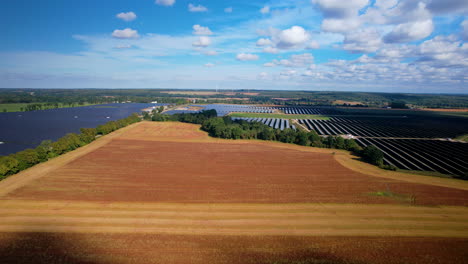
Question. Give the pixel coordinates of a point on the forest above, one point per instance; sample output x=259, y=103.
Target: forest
x=322, y=98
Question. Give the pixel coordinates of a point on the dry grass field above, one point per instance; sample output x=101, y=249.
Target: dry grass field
x=168, y=193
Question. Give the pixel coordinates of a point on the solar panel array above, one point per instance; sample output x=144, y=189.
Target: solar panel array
x=276, y=123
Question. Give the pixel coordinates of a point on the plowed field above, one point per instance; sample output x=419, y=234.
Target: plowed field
x=167, y=193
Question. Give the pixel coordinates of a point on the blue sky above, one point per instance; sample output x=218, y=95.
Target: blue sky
x=354, y=45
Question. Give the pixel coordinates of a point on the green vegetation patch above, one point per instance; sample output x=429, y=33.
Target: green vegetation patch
x=21, y=107
x=463, y=138
x=396, y=196
x=283, y=116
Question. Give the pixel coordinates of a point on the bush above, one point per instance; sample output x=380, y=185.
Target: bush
x=372, y=155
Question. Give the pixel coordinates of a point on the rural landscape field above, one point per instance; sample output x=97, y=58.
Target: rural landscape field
x=167, y=192
x=234, y=132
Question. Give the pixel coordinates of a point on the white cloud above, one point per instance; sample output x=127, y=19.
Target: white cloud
x=246, y=57
x=340, y=8
x=364, y=40
x=271, y=50
x=292, y=37
x=408, y=32
x=165, y=2
x=209, y=65
x=129, y=16
x=125, y=46
x=448, y=6
x=202, y=41
x=199, y=30
x=340, y=16
x=313, y=45
x=211, y=53
x=127, y=33
x=340, y=25
x=198, y=8
x=265, y=10
x=464, y=33
x=296, y=61
x=264, y=42
x=228, y=10
x=269, y=64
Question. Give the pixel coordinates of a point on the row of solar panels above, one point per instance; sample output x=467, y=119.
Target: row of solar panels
x=276, y=123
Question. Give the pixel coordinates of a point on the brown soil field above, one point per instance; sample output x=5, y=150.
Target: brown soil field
x=173, y=162
x=49, y=248
x=168, y=193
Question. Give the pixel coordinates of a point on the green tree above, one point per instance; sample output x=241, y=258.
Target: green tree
x=373, y=155
x=8, y=165
x=26, y=158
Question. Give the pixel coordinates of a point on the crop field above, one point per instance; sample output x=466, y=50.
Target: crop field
x=166, y=192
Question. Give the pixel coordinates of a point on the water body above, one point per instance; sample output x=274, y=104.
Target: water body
x=22, y=130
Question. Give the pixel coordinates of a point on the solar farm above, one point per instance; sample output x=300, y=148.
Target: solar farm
x=410, y=140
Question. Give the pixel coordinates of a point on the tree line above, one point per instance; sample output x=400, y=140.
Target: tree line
x=225, y=127
x=49, y=149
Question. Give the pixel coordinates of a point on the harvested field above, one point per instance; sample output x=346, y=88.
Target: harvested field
x=168, y=193
x=74, y=248
x=221, y=171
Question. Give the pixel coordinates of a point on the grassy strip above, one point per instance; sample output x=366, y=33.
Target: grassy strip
x=462, y=138
x=20, y=107
x=396, y=196
x=283, y=116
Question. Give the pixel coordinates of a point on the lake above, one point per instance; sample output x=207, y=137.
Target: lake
x=22, y=130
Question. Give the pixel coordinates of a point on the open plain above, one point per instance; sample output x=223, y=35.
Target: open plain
x=167, y=193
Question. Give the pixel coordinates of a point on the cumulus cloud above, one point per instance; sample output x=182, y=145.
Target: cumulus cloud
x=271, y=50
x=364, y=40
x=340, y=16
x=313, y=45
x=129, y=16
x=165, y=2
x=127, y=33
x=246, y=57
x=202, y=42
x=340, y=25
x=443, y=51
x=448, y=6
x=265, y=10
x=464, y=33
x=292, y=37
x=340, y=8
x=198, y=8
x=408, y=32
x=199, y=30
x=296, y=61
x=209, y=65
x=228, y=10
x=264, y=42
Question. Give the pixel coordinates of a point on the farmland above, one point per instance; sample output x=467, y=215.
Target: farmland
x=165, y=188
